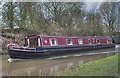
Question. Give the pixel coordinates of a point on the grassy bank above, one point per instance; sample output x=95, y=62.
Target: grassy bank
x=103, y=67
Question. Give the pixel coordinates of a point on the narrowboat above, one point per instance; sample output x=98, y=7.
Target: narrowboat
x=43, y=46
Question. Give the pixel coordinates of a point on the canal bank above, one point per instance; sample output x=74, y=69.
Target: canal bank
x=103, y=67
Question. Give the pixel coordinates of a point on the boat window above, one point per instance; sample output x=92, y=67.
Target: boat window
x=26, y=42
x=98, y=41
x=90, y=41
x=80, y=41
x=53, y=42
x=69, y=42
x=109, y=41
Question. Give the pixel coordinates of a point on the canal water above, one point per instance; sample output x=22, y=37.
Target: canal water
x=48, y=66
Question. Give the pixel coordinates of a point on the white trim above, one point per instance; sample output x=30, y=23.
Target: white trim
x=97, y=42
x=80, y=41
x=28, y=41
x=39, y=42
x=56, y=42
x=91, y=41
x=71, y=43
x=109, y=41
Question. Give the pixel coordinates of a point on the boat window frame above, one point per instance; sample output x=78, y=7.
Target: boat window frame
x=39, y=43
x=71, y=42
x=35, y=45
x=27, y=41
x=90, y=41
x=108, y=41
x=97, y=41
x=80, y=43
x=56, y=43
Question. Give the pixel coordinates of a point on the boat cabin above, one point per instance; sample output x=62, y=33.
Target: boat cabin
x=49, y=41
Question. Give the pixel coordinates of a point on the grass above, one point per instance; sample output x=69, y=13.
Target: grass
x=103, y=67
x=119, y=64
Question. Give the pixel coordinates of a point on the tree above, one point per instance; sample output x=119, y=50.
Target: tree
x=109, y=15
x=63, y=15
x=8, y=15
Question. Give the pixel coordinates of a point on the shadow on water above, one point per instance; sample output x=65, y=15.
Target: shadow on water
x=48, y=66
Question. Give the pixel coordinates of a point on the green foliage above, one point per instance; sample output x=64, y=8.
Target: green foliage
x=119, y=64
x=58, y=18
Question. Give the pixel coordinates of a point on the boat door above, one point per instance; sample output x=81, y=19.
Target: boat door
x=34, y=41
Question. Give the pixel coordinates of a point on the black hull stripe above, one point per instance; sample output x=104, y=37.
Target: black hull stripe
x=49, y=53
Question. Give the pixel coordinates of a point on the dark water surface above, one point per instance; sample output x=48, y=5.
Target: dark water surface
x=48, y=66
